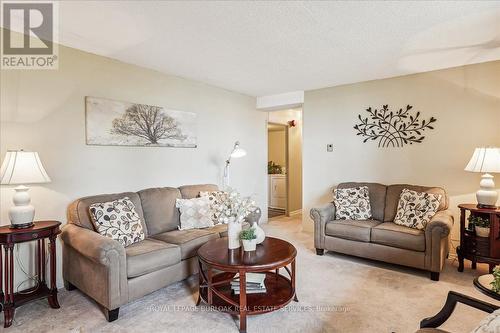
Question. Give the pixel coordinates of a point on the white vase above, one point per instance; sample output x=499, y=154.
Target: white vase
x=261, y=235
x=233, y=235
x=249, y=245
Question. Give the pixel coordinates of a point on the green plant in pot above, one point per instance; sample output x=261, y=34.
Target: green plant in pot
x=495, y=284
x=481, y=225
x=274, y=169
x=249, y=239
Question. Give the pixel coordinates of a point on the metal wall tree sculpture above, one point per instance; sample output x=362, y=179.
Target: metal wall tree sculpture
x=393, y=129
x=147, y=122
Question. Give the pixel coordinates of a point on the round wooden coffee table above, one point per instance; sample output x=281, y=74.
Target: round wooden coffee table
x=218, y=266
x=483, y=283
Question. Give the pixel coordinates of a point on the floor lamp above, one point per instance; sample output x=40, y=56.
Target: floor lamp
x=237, y=152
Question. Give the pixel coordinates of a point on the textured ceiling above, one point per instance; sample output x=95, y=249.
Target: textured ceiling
x=262, y=48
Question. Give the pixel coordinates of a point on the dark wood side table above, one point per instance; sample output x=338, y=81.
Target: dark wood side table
x=479, y=249
x=218, y=266
x=10, y=300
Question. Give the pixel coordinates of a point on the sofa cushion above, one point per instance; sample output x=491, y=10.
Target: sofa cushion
x=193, y=191
x=150, y=255
x=79, y=214
x=394, y=235
x=196, y=213
x=377, y=194
x=394, y=192
x=159, y=209
x=352, y=203
x=350, y=229
x=416, y=209
x=118, y=220
x=221, y=229
x=188, y=240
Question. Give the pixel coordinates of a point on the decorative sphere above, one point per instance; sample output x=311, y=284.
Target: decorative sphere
x=254, y=216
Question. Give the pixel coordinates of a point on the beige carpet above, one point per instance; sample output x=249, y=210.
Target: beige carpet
x=337, y=294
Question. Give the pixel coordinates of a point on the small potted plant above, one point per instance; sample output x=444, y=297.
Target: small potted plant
x=495, y=284
x=481, y=225
x=249, y=239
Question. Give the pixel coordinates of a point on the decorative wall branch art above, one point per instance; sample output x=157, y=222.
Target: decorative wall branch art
x=115, y=123
x=393, y=129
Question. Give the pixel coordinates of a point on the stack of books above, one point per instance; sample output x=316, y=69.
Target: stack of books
x=254, y=283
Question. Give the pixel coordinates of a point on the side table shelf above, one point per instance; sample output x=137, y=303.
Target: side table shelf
x=9, y=299
x=475, y=248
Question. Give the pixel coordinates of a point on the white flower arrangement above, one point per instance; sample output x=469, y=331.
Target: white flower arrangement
x=234, y=207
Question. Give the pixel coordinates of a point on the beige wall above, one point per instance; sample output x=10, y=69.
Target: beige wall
x=44, y=111
x=276, y=150
x=294, y=154
x=465, y=101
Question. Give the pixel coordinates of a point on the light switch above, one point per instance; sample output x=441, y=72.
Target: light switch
x=329, y=147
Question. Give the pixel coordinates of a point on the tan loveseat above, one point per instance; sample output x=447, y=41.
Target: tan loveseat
x=113, y=275
x=380, y=238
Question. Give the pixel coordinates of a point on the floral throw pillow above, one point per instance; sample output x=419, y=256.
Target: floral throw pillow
x=117, y=220
x=195, y=213
x=352, y=203
x=217, y=199
x=415, y=209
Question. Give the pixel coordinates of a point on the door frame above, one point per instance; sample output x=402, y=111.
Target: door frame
x=287, y=175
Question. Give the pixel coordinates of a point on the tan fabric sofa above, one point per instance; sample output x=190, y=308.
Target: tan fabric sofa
x=380, y=238
x=113, y=275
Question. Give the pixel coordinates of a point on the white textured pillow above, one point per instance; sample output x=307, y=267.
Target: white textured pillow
x=416, y=209
x=352, y=203
x=117, y=220
x=195, y=213
x=216, y=198
x=490, y=324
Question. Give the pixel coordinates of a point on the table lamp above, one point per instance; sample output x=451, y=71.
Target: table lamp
x=485, y=160
x=20, y=168
x=237, y=152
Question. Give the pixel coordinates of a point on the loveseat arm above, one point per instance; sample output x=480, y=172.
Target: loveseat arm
x=91, y=244
x=95, y=264
x=441, y=223
x=437, y=233
x=321, y=216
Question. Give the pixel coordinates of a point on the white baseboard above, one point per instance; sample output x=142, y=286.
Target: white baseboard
x=295, y=212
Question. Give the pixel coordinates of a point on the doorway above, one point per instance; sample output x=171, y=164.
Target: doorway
x=284, y=163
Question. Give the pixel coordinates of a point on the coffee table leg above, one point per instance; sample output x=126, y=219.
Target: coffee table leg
x=293, y=282
x=200, y=282
x=209, y=283
x=243, y=301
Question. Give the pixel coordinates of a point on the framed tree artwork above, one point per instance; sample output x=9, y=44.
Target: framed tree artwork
x=115, y=123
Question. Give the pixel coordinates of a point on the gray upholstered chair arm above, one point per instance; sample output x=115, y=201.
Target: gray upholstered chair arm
x=320, y=217
x=442, y=221
x=91, y=244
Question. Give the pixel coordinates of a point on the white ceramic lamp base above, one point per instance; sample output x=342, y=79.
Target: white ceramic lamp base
x=21, y=215
x=487, y=196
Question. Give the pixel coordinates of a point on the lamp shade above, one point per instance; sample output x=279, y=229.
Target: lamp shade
x=238, y=152
x=22, y=167
x=484, y=160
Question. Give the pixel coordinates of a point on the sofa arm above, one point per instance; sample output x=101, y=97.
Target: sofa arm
x=96, y=265
x=437, y=234
x=441, y=223
x=320, y=217
x=91, y=244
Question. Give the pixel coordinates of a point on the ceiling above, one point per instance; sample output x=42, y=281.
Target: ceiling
x=269, y=47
